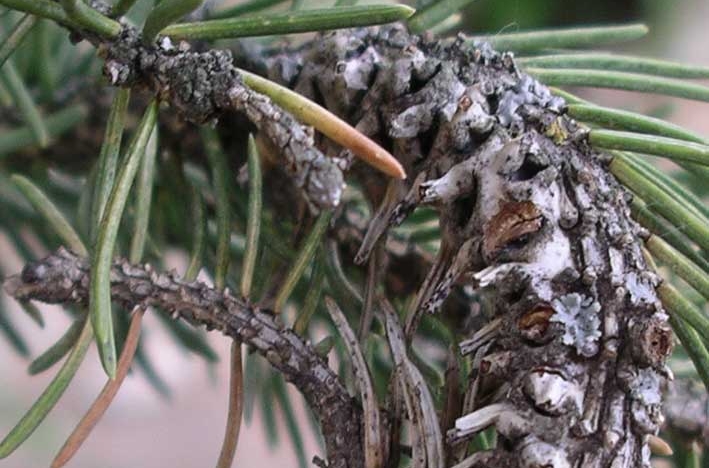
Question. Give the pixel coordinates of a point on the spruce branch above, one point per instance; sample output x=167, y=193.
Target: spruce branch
x=573, y=339
x=63, y=278
x=204, y=85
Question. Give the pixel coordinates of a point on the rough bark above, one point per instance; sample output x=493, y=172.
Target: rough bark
x=201, y=86
x=64, y=278
x=569, y=366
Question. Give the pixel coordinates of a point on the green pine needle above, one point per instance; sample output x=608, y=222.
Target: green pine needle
x=693, y=344
x=143, y=198
x=108, y=156
x=670, y=148
x=46, y=401
x=90, y=19
x=568, y=97
x=662, y=228
x=294, y=430
x=237, y=243
x=5, y=98
x=191, y=338
x=565, y=38
x=244, y=8
x=100, y=282
x=685, y=219
x=253, y=225
x=667, y=183
x=59, y=349
x=630, y=121
x=312, y=298
x=15, y=85
x=220, y=177
x=426, y=234
x=693, y=457
x=620, y=80
x=324, y=346
x=623, y=63
x=435, y=13
x=289, y=23
x=42, y=8
x=51, y=214
x=265, y=397
x=254, y=369
x=56, y=124
x=679, y=264
x=146, y=365
x=14, y=39
x=12, y=335
x=421, y=215
x=683, y=315
x=199, y=222
x=307, y=251
x=32, y=312
x=45, y=62
x=121, y=7
x=454, y=21
x=165, y=13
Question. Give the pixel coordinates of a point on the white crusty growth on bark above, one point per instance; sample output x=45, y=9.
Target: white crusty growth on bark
x=531, y=217
x=568, y=371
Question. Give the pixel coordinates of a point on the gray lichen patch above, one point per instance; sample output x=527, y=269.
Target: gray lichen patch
x=525, y=97
x=581, y=321
x=641, y=288
x=645, y=387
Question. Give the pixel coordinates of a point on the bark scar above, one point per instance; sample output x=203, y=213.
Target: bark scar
x=512, y=223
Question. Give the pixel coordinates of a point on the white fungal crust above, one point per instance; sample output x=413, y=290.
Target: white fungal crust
x=531, y=218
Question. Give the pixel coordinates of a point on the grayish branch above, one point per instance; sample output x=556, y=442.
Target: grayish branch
x=63, y=278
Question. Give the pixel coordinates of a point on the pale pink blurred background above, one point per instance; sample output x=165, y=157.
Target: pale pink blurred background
x=143, y=430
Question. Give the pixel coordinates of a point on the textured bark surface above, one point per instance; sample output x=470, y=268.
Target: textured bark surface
x=567, y=365
x=64, y=278
x=203, y=85
x=569, y=368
